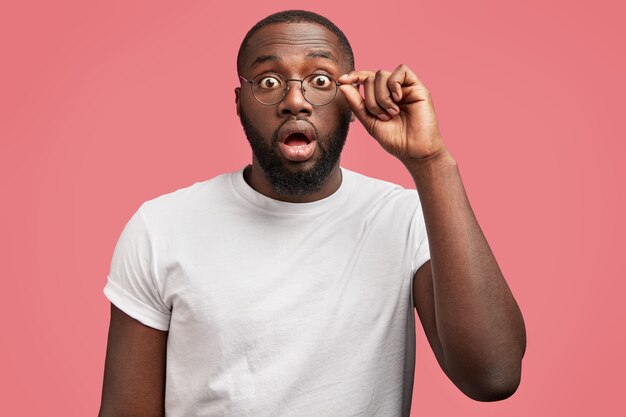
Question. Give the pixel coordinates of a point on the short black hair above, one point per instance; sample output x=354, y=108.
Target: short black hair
x=297, y=16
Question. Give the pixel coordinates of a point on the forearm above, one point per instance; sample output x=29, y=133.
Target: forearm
x=479, y=324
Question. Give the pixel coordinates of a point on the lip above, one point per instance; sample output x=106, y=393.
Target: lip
x=302, y=152
x=296, y=126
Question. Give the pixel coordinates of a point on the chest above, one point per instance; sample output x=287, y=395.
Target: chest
x=247, y=278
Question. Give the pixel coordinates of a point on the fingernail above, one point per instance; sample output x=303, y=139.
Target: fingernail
x=343, y=76
x=392, y=111
x=395, y=95
x=384, y=117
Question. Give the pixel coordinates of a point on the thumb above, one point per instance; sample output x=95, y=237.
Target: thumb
x=357, y=104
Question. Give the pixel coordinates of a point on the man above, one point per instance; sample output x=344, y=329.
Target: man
x=287, y=288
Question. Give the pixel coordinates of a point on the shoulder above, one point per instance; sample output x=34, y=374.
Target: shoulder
x=374, y=191
x=188, y=201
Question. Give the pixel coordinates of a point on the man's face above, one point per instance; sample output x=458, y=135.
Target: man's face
x=296, y=144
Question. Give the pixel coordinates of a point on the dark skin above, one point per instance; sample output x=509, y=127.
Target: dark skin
x=471, y=320
x=267, y=53
x=134, y=373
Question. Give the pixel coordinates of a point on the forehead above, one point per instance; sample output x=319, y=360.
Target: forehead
x=293, y=43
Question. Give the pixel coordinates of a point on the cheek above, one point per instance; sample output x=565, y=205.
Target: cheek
x=260, y=117
x=334, y=113
x=328, y=123
x=342, y=105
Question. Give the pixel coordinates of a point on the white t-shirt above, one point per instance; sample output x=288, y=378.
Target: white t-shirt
x=275, y=308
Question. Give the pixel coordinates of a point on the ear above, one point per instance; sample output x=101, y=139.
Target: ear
x=237, y=91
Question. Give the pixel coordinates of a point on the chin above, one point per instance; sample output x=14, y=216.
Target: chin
x=310, y=164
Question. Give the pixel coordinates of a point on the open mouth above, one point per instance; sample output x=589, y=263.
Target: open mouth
x=297, y=141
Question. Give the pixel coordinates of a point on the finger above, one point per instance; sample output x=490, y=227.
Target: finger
x=357, y=105
x=383, y=94
x=367, y=79
x=355, y=77
x=371, y=103
x=401, y=77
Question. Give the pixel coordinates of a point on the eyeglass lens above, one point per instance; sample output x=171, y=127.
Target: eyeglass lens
x=318, y=89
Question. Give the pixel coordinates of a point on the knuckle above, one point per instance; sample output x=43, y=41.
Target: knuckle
x=385, y=101
x=373, y=108
x=392, y=82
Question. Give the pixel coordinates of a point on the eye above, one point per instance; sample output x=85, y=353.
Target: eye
x=269, y=82
x=321, y=81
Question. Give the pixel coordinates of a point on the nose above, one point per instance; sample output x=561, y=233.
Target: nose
x=294, y=103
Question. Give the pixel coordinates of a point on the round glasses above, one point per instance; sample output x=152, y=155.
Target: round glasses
x=270, y=89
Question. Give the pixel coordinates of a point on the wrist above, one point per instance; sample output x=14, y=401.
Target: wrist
x=433, y=169
x=437, y=160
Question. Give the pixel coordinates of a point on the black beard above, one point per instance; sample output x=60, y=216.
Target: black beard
x=286, y=182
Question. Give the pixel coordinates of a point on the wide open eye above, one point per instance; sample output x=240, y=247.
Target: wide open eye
x=321, y=81
x=269, y=82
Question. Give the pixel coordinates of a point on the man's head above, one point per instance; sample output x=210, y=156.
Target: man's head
x=296, y=143
x=297, y=16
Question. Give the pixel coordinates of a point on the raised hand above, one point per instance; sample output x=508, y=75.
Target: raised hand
x=397, y=110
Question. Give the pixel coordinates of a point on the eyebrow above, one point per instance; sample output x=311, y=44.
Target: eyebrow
x=261, y=59
x=322, y=54
x=265, y=58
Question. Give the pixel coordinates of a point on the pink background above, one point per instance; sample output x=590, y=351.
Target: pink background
x=104, y=105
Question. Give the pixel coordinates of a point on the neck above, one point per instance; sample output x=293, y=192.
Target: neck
x=255, y=177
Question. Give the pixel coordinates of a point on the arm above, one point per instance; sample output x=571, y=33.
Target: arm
x=466, y=308
x=134, y=373
x=468, y=312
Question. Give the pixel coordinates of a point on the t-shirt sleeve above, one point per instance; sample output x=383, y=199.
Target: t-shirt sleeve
x=133, y=285
x=418, y=232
